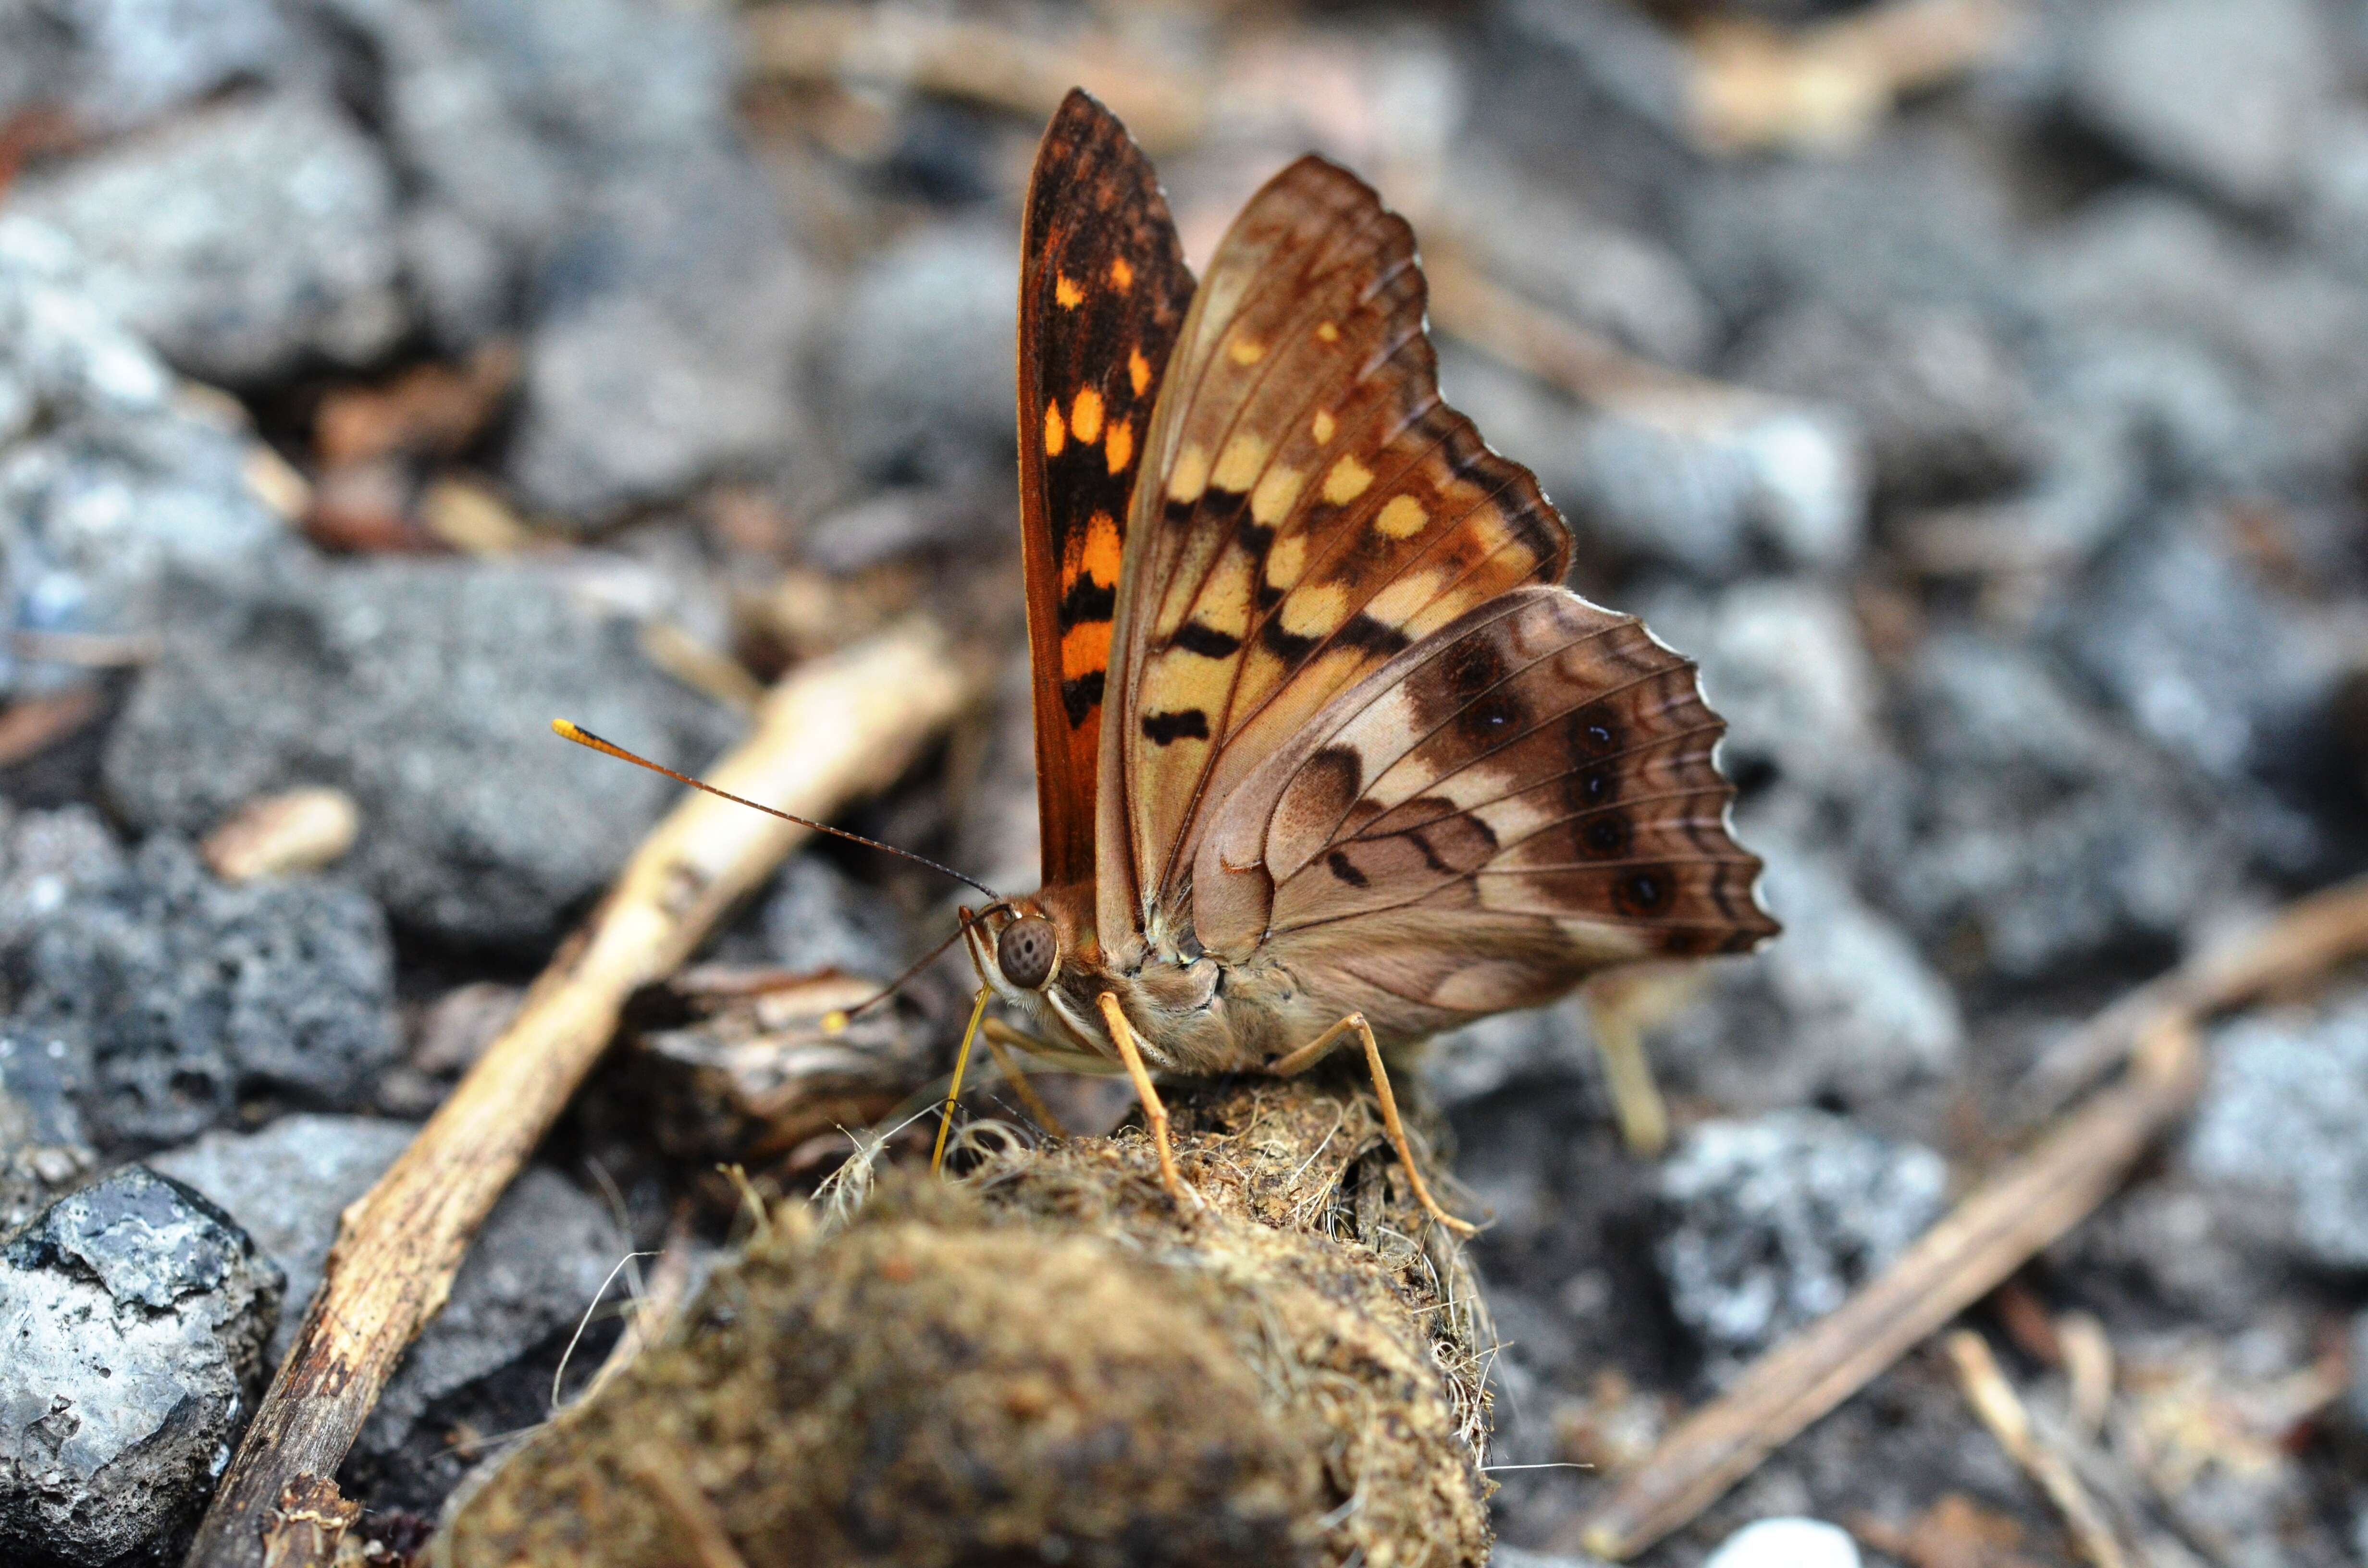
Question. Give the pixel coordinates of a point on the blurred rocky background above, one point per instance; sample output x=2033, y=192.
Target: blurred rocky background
x=1977, y=388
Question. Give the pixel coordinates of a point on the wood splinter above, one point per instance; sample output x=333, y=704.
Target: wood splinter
x=827, y=732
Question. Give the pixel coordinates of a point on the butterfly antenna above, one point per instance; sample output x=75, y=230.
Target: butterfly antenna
x=583, y=737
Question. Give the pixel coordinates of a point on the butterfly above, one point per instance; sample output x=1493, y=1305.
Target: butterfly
x=1325, y=751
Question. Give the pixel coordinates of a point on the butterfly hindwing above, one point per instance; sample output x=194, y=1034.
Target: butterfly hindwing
x=1103, y=291
x=1528, y=794
x=1310, y=509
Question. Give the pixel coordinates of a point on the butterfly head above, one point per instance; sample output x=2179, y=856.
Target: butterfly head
x=1017, y=947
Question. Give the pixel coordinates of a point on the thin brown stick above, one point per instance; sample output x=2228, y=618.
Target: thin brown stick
x=309, y=1524
x=2035, y=1199
x=902, y=46
x=2001, y=1409
x=828, y=731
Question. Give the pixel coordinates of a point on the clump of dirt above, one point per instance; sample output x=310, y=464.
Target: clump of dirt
x=1046, y=1362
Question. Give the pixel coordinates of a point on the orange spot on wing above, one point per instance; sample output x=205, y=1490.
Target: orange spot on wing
x=1325, y=332
x=1121, y=273
x=1121, y=446
x=1056, y=434
x=1098, y=553
x=1084, y=648
x=1086, y=415
x=1068, y=295
x=1138, y=370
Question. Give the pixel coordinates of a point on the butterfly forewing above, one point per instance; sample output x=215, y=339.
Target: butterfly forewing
x=1313, y=510
x=1103, y=291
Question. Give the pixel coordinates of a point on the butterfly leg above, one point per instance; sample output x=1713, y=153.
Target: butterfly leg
x=1316, y=1049
x=1121, y=1034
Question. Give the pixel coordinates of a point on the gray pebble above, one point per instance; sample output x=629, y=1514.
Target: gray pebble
x=425, y=689
x=240, y=240
x=133, y=1321
x=1772, y=1222
x=2281, y=1116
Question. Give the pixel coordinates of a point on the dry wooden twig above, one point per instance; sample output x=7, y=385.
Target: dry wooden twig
x=978, y=61
x=1829, y=84
x=2001, y=1409
x=828, y=731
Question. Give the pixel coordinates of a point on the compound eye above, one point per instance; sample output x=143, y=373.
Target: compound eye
x=1026, y=951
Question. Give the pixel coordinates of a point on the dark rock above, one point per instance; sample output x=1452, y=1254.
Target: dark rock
x=1772, y=1222
x=477, y=826
x=1841, y=1007
x=47, y=858
x=2040, y=834
x=2231, y=97
x=1947, y=413
x=1914, y=219
x=2292, y=337
x=240, y=240
x=44, y=1149
x=919, y=368
x=134, y=1314
x=189, y=994
x=667, y=323
x=1482, y=1058
x=106, y=480
x=2280, y=1119
x=2203, y=659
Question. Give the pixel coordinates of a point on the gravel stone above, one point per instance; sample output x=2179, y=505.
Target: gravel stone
x=105, y=481
x=133, y=1313
x=2231, y=97
x=2281, y=1117
x=189, y=994
x=474, y=829
x=1772, y=1222
x=241, y=241
x=668, y=325
x=116, y=63
x=920, y=365
x=44, y=1149
x=1786, y=1543
x=1840, y=1006
x=2042, y=835
x=1946, y=414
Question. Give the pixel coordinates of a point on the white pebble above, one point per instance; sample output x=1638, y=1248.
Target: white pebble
x=1787, y=1543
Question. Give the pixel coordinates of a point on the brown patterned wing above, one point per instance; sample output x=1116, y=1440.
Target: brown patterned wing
x=1527, y=795
x=1103, y=291
x=1310, y=509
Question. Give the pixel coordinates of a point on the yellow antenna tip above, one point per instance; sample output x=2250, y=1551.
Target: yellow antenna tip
x=834, y=1022
x=564, y=729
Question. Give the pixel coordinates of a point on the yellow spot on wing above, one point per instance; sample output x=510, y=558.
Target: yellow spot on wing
x=1086, y=415
x=1346, y=481
x=1327, y=332
x=1056, y=434
x=1190, y=475
x=1238, y=464
x=1322, y=425
x=1067, y=293
x=1121, y=446
x=1245, y=351
x=1121, y=273
x=1225, y=604
x=1403, y=597
x=1286, y=560
x=1138, y=370
x=1400, y=517
x=1271, y=501
x=1312, y=612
